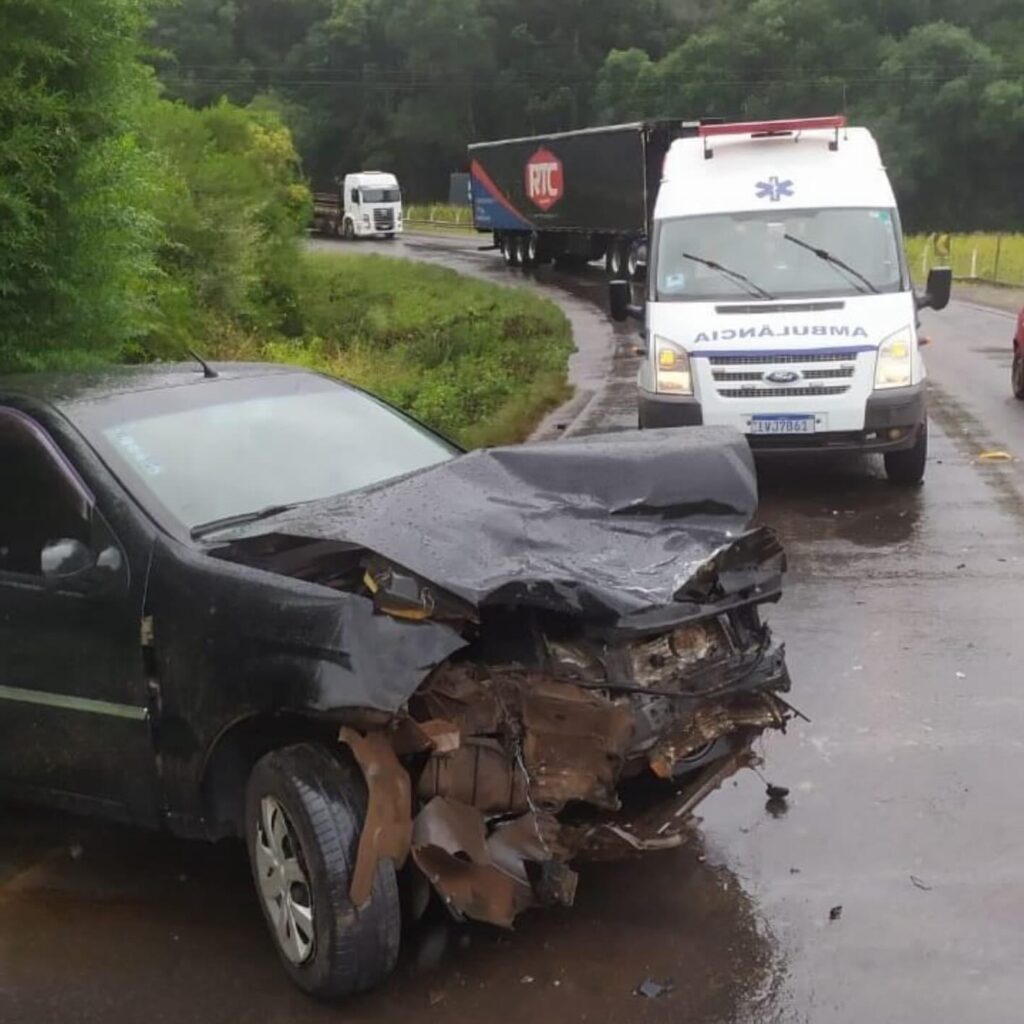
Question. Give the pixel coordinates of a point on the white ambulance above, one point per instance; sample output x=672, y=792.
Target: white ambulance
x=779, y=300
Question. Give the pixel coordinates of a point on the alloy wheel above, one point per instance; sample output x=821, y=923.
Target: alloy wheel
x=283, y=882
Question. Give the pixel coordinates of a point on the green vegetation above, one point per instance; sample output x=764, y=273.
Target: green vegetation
x=405, y=84
x=984, y=257
x=476, y=361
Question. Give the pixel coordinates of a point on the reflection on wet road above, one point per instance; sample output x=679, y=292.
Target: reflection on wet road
x=900, y=620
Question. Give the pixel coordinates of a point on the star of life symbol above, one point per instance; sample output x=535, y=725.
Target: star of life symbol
x=774, y=189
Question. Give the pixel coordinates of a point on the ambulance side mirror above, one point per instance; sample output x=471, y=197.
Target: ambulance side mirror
x=937, y=290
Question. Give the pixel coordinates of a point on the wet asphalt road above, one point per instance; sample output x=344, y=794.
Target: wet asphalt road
x=901, y=619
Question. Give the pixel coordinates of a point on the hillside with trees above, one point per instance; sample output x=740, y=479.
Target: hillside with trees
x=405, y=84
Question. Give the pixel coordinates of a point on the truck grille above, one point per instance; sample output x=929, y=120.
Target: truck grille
x=744, y=376
x=384, y=220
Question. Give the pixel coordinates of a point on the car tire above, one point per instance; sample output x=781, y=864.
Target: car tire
x=1017, y=375
x=906, y=468
x=304, y=812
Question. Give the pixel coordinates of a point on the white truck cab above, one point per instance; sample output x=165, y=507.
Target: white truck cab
x=778, y=297
x=372, y=205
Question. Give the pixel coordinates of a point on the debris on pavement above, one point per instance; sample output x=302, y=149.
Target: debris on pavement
x=835, y=913
x=920, y=884
x=651, y=989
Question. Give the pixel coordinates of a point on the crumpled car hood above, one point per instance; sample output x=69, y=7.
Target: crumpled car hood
x=605, y=527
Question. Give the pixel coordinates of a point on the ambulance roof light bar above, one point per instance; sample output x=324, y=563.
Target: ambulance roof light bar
x=772, y=129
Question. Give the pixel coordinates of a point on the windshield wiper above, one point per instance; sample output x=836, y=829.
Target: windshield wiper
x=824, y=254
x=754, y=289
x=239, y=519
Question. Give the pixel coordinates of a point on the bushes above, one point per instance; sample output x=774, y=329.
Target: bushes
x=231, y=208
x=76, y=263
x=476, y=361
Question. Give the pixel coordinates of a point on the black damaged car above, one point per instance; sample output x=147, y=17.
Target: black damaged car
x=256, y=602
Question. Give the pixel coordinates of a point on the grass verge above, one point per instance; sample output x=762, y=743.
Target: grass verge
x=987, y=257
x=478, y=362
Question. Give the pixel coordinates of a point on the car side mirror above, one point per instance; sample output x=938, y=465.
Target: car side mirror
x=937, y=290
x=70, y=563
x=620, y=304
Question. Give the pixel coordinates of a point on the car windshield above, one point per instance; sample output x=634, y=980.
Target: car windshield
x=230, y=448
x=780, y=254
x=381, y=195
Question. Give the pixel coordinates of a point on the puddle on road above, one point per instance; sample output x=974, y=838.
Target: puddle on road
x=147, y=927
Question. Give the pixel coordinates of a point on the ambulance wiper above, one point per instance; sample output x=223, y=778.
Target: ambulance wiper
x=735, y=275
x=824, y=254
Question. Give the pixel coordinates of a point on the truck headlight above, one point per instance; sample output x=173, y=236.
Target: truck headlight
x=893, y=369
x=671, y=368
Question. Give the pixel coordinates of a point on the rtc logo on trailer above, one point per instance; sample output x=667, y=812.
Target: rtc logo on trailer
x=544, y=183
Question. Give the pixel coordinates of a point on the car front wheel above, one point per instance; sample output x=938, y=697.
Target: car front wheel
x=1018, y=375
x=304, y=813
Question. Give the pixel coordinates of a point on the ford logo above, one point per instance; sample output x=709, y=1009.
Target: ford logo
x=782, y=377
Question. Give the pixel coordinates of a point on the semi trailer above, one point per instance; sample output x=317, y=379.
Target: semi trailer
x=573, y=197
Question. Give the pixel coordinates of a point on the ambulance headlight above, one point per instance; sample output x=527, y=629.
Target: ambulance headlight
x=893, y=368
x=671, y=368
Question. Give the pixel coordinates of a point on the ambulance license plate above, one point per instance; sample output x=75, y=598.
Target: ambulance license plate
x=781, y=424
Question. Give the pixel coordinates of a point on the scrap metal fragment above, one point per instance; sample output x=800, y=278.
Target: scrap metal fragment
x=707, y=724
x=574, y=743
x=456, y=694
x=387, y=830
x=664, y=826
x=534, y=841
x=450, y=847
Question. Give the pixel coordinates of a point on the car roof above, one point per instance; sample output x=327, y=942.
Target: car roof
x=62, y=390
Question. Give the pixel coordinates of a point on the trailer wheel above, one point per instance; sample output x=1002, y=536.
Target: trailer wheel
x=523, y=251
x=615, y=259
x=636, y=261
x=533, y=254
x=510, y=250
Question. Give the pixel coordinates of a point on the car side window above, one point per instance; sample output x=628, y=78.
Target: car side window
x=41, y=498
x=355, y=195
